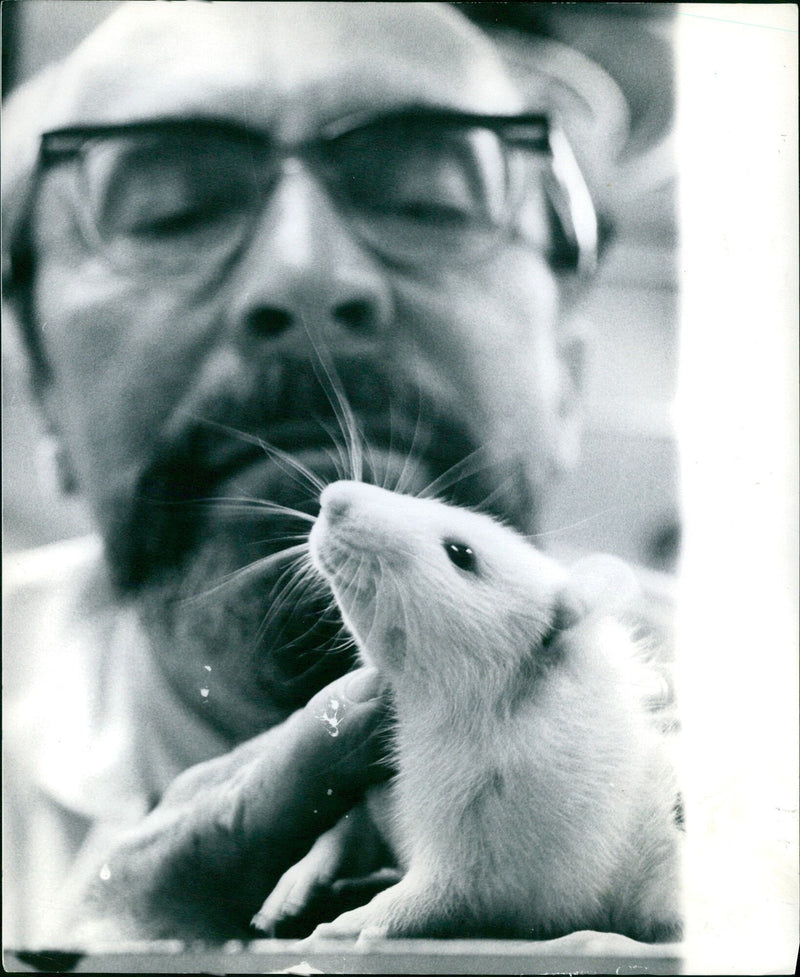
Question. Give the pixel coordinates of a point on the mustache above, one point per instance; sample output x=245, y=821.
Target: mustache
x=279, y=641
x=228, y=426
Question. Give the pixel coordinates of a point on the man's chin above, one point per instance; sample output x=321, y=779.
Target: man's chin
x=260, y=643
x=271, y=639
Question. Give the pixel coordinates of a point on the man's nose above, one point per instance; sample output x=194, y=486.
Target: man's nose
x=305, y=278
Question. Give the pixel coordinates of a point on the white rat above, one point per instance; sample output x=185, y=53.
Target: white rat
x=533, y=795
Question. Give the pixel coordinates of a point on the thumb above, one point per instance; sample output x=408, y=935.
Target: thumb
x=317, y=767
x=329, y=752
x=342, y=733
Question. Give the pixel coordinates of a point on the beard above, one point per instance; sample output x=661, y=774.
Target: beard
x=274, y=637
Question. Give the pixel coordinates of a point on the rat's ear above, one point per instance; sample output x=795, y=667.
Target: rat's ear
x=598, y=583
x=601, y=582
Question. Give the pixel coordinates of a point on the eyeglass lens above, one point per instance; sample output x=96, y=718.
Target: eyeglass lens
x=168, y=200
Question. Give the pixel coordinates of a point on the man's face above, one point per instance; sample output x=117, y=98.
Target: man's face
x=152, y=374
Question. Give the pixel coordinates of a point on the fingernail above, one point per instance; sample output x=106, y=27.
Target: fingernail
x=259, y=922
x=366, y=684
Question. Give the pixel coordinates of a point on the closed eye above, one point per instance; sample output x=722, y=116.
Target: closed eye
x=461, y=555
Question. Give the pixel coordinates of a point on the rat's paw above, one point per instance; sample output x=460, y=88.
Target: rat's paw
x=405, y=910
x=388, y=914
x=362, y=923
x=657, y=929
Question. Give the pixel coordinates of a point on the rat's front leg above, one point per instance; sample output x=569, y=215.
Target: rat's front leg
x=414, y=907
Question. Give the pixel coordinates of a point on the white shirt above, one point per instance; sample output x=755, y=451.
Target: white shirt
x=92, y=733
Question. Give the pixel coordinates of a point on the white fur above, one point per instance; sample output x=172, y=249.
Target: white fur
x=533, y=797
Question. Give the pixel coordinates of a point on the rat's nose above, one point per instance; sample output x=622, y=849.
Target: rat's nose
x=336, y=500
x=336, y=509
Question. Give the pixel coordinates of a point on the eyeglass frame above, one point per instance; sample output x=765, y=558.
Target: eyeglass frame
x=541, y=138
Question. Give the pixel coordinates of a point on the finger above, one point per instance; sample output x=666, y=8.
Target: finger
x=313, y=769
x=296, y=886
x=341, y=737
x=360, y=688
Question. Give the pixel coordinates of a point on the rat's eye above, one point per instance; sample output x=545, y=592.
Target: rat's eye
x=461, y=555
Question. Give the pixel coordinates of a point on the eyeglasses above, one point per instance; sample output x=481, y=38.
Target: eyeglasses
x=416, y=186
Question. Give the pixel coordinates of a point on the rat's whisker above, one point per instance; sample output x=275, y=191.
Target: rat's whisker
x=374, y=467
x=291, y=465
x=468, y=466
x=573, y=525
x=283, y=538
x=255, y=569
x=289, y=459
x=300, y=639
x=334, y=391
x=341, y=460
x=298, y=587
x=411, y=459
x=498, y=492
x=246, y=505
x=327, y=375
x=387, y=474
x=300, y=581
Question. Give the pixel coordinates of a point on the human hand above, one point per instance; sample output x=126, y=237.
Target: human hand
x=345, y=867
x=202, y=862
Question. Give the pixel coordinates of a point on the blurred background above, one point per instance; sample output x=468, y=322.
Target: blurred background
x=607, y=70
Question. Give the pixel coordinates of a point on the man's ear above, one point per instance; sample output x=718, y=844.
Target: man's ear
x=53, y=462
x=572, y=345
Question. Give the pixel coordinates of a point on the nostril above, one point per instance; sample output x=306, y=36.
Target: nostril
x=269, y=321
x=357, y=315
x=337, y=508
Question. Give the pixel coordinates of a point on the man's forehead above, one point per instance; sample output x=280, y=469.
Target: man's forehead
x=283, y=66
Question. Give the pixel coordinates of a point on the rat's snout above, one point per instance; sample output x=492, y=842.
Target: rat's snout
x=336, y=509
x=345, y=526
x=336, y=501
x=358, y=516
x=330, y=529
x=341, y=499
